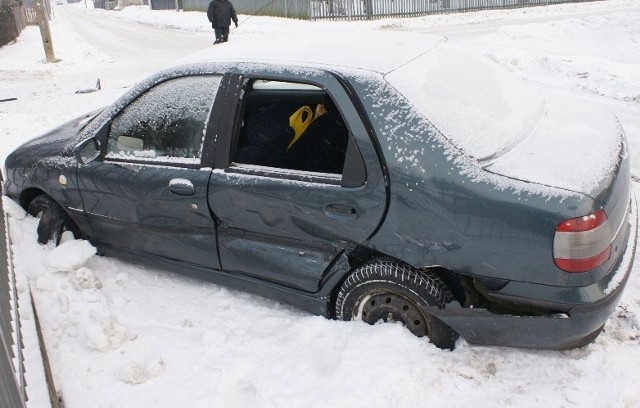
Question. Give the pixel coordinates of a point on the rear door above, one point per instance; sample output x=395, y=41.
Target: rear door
x=149, y=191
x=287, y=225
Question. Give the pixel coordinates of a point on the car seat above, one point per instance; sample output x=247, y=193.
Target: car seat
x=266, y=136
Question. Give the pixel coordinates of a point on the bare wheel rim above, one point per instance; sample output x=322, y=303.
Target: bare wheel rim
x=392, y=307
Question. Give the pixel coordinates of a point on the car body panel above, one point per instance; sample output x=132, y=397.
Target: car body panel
x=161, y=199
x=452, y=208
x=287, y=226
x=137, y=198
x=46, y=163
x=581, y=316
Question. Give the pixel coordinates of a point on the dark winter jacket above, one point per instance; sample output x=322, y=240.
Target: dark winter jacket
x=220, y=13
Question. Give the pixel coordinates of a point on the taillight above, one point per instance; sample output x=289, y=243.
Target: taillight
x=583, y=243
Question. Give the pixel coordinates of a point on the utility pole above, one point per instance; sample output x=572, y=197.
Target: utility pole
x=43, y=23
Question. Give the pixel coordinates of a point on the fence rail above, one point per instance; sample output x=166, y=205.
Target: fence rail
x=372, y=9
x=357, y=9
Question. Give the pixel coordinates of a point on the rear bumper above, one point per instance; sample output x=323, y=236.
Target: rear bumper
x=579, y=325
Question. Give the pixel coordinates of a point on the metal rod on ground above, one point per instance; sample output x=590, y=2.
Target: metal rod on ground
x=256, y=12
x=53, y=394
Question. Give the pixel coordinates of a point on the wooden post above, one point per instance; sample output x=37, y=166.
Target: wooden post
x=43, y=23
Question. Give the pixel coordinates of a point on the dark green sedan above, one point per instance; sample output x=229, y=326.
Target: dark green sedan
x=429, y=189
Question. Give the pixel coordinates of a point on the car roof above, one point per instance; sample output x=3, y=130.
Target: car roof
x=479, y=106
x=374, y=50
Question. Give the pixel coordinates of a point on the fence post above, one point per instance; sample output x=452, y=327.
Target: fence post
x=43, y=23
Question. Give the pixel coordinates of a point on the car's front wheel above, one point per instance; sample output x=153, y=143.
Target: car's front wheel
x=53, y=219
x=389, y=291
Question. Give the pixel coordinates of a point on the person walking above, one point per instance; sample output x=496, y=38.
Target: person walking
x=220, y=13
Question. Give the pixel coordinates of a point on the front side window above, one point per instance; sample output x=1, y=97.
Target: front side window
x=291, y=126
x=166, y=124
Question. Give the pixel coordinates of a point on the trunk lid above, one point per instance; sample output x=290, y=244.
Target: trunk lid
x=576, y=146
x=581, y=148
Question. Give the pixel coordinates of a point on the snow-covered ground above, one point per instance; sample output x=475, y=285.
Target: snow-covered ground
x=121, y=335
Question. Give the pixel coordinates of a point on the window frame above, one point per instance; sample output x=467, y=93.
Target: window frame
x=353, y=154
x=104, y=133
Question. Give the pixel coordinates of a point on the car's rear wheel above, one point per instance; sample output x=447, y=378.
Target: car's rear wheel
x=53, y=219
x=390, y=291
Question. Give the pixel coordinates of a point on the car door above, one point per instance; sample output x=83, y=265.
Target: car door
x=148, y=192
x=287, y=225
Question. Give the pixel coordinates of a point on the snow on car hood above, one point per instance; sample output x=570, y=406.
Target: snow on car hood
x=54, y=147
x=481, y=108
x=576, y=146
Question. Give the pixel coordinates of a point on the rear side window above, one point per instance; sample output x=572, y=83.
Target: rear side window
x=292, y=126
x=165, y=124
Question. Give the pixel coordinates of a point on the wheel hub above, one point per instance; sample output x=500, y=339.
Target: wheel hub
x=392, y=308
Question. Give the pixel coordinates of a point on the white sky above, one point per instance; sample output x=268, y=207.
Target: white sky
x=120, y=335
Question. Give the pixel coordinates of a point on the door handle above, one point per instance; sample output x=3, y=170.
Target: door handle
x=181, y=187
x=341, y=211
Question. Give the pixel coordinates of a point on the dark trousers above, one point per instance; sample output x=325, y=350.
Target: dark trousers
x=222, y=34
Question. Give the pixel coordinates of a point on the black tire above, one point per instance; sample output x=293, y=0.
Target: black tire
x=391, y=291
x=53, y=219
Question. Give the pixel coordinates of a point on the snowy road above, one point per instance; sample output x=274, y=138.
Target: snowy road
x=126, y=41
x=120, y=335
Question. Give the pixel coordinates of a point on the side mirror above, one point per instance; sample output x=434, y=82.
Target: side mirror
x=88, y=150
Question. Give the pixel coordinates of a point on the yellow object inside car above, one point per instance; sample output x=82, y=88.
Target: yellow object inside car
x=302, y=118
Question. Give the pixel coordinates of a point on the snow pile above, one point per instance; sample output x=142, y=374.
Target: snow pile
x=13, y=60
x=105, y=334
x=140, y=372
x=70, y=256
x=84, y=278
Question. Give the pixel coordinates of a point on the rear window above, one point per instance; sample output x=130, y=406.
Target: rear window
x=482, y=108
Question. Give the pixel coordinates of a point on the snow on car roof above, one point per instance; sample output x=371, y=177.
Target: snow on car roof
x=379, y=51
x=480, y=107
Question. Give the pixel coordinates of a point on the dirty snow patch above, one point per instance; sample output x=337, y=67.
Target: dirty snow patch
x=106, y=334
x=84, y=278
